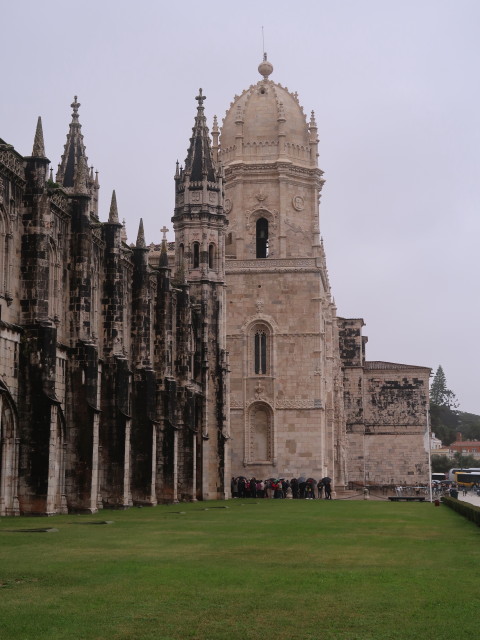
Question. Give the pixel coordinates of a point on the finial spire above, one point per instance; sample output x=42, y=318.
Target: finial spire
x=141, y=236
x=74, y=154
x=199, y=162
x=113, y=215
x=163, y=249
x=38, y=144
x=200, y=98
x=265, y=68
x=75, y=105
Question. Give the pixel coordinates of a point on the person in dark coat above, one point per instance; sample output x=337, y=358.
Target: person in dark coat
x=328, y=490
x=320, y=489
x=294, y=485
x=253, y=488
x=241, y=487
x=301, y=488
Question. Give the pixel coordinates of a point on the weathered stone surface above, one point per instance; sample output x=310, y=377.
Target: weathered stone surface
x=135, y=374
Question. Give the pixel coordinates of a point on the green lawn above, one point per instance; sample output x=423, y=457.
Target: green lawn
x=265, y=570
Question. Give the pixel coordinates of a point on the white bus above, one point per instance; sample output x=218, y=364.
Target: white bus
x=452, y=472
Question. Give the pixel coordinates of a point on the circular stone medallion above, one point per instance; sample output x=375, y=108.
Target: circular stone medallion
x=298, y=203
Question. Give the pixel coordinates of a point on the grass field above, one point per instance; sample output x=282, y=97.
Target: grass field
x=246, y=570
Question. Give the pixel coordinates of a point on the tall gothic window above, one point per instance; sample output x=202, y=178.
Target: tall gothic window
x=262, y=238
x=3, y=253
x=211, y=256
x=196, y=255
x=260, y=351
x=53, y=281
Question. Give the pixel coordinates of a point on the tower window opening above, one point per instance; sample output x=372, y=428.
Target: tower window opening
x=211, y=256
x=196, y=255
x=262, y=238
x=260, y=349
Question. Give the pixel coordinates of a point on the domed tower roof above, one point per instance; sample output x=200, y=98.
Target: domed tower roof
x=266, y=123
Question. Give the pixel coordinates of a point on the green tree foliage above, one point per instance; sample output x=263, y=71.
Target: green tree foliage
x=442, y=464
x=440, y=394
x=469, y=425
x=444, y=423
x=445, y=419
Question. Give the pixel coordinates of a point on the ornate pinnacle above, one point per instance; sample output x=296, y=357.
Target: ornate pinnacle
x=38, y=145
x=75, y=105
x=200, y=98
x=113, y=215
x=123, y=233
x=141, y=236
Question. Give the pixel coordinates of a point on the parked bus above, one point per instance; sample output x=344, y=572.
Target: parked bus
x=452, y=472
x=467, y=479
x=439, y=477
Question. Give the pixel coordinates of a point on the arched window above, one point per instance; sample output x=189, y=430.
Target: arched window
x=262, y=238
x=180, y=254
x=196, y=255
x=53, y=281
x=260, y=445
x=8, y=456
x=260, y=348
x=260, y=351
x=211, y=256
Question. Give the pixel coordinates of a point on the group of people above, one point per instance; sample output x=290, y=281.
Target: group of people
x=296, y=488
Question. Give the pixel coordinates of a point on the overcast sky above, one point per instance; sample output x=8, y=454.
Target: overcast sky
x=395, y=89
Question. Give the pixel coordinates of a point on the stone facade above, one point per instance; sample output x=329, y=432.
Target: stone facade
x=316, y=404
x=113, y=370
x=135, y=374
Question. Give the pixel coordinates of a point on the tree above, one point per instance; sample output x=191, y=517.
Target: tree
x=442, y=464
x=440, y=394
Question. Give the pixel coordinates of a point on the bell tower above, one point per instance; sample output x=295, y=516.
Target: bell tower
x=281, y=319
x=199, y=223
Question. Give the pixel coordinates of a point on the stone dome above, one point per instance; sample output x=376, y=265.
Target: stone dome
x=265, y=120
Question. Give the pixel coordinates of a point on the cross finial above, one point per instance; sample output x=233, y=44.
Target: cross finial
x=200, y=97
x=75, y=105
x=164, y=230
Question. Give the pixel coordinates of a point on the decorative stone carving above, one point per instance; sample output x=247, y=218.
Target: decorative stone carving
x=298, y=203
x=259, y=304
x=227, y=205
x=235, y=402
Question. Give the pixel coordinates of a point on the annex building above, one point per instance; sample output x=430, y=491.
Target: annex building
x=135, y=373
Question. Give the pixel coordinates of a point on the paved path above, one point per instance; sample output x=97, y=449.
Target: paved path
x=471, y=497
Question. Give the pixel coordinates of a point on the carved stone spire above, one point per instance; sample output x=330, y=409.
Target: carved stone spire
x=141, y=236
x=74, y=151
x=199, y=162
x=38, y=144
x=81, y=176
x=113, y=214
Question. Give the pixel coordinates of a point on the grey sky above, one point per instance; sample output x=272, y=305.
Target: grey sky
x=395, y=89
